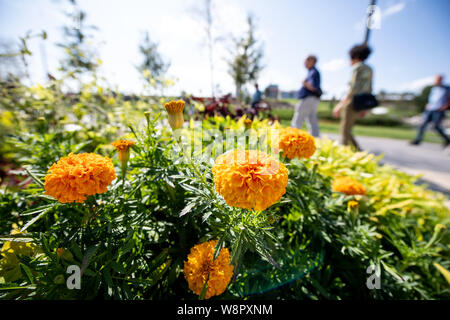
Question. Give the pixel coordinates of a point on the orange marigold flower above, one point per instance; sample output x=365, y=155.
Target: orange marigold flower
x=200, y=264
x=296, y=143
x=123, y=147
x=250, y=179
x=175, y=111
x=348, y=186
x=76, y=176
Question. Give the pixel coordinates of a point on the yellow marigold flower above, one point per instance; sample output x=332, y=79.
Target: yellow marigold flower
x=17, y=247
x=248, y=123
x=348, y=186
x=175, y=111
x=250, y=179
x=11, y=249
x=76, y=176
x=200, y=264
x=296, y=143
x=352, y=204
x=9, y=262
x=123, y=147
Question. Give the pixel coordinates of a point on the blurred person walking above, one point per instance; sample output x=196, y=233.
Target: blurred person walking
x=309, y=95
x=360, y=84
x=438, y=103
x=257, y=96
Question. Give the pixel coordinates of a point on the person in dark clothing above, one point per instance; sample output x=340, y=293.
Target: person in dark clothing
x=257, y=96
x=309, y=95
x=438, y=103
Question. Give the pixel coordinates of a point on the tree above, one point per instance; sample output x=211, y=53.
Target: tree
x=12, y=67
x=80, y=57
x=421, y=100
x=13, y=58
x=382, y=95
x=245, y=64
x=152, y=60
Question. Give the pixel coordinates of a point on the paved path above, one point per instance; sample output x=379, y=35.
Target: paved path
x=428, y=159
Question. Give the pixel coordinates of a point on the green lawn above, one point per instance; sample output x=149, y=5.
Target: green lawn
x=397, y=132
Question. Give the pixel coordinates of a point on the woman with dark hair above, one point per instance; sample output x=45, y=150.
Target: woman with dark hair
x=361, y=82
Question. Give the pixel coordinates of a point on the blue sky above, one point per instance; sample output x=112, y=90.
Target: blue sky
x=410, y=46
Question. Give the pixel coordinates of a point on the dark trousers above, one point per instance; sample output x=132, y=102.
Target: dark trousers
x=436, y=118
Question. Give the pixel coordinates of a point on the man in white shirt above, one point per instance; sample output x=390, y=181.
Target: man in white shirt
x=438, y=103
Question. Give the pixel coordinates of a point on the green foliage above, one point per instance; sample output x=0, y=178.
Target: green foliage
x=421, y=100
x=131, y=241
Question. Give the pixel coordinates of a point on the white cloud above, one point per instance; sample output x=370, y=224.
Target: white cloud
x=230, y=16
x=285, y=81
x=417, y=85
x=334, y=65
x=396, y=8
x=334, y=91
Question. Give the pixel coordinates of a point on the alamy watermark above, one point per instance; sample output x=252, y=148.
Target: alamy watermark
x=374, y=280
x=205, y=144
x=74, y=280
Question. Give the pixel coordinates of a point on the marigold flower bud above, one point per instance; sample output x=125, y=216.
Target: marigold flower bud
x=59, y=279
x=175, y=112
x=64, y=254
x=248, y=124
x=352, y=204
x=147, y=116
x=123, y=147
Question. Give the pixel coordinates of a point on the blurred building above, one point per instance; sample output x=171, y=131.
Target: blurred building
x=405, y=96
x=289, y=94
x=272, y=91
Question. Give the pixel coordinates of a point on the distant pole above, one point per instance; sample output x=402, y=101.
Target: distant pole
x=44, y=60
x=369, y=21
